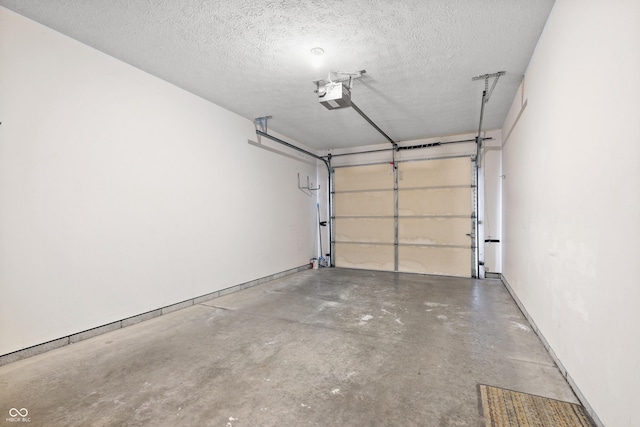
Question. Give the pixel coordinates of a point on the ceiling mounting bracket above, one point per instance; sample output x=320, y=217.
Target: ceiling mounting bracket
x=261, y=123
x=347, y=77
x=486, y=78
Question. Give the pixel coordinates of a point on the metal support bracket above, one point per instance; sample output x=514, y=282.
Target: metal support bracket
x=348, y=77
x=261, y=123
x=486, y=78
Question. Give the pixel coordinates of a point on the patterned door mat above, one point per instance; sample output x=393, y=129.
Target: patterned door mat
x=506, y=408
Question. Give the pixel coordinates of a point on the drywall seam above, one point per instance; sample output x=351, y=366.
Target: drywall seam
x=123, y=323
x=583, y=400
x=515, y=122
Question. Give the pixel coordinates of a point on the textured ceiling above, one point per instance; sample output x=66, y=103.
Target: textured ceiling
x=252, y=57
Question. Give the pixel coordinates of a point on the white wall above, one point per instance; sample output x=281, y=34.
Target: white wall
x=572, y=199
x=120, y=193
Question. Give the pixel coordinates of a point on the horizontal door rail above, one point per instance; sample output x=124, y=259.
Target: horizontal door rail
x=363, y=216
x=427, y=245
x=373, y=190
x=340, y=242
x=436, y=187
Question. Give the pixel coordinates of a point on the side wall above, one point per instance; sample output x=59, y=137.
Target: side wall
x=572, y=199
x=121, y=194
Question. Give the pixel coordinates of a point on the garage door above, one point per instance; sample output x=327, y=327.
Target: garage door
x=419, y=219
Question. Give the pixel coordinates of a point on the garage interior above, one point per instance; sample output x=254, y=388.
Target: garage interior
x=324, y=213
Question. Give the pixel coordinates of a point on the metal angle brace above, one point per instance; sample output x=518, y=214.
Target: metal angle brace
x=486, y=78
x=261, y=123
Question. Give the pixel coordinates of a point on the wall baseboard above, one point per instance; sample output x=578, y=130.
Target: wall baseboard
x=89, y=333
x=558, y=362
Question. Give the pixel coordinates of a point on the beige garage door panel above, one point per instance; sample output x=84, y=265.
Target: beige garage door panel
x=368, y=257
x=370, y=203
x=444, y=261
x=434, y=173
x=372, y=177
x=434, y=231
x=435, y=201
x=374, y=230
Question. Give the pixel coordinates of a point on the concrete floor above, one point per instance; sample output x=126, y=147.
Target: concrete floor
x=321, y=347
